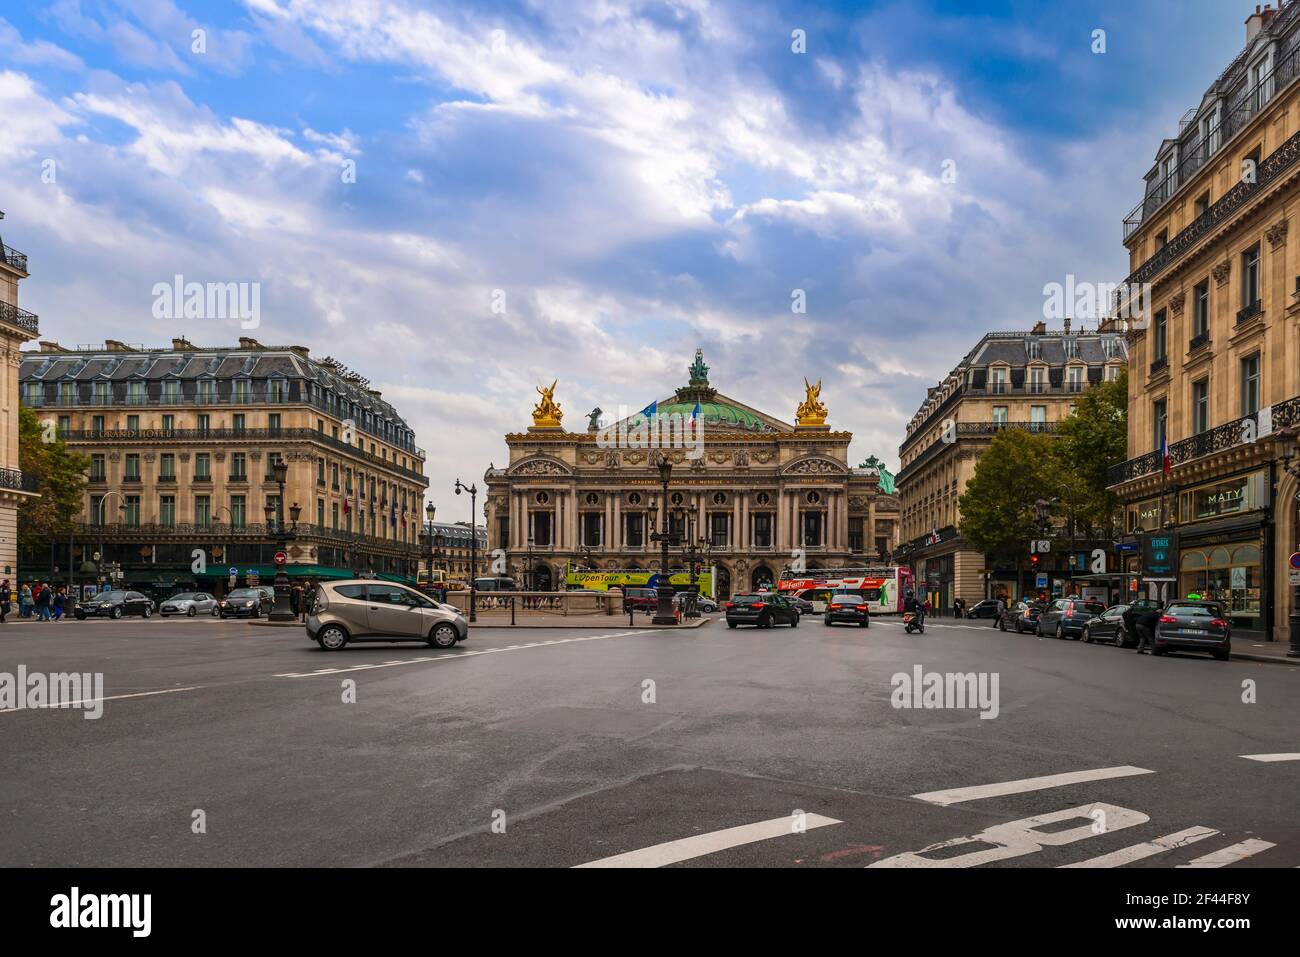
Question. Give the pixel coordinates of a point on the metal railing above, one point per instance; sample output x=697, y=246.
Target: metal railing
x=20, y=317
x=1247, y=313
x=970, y=429
x=1198, y=340
x=221, y=531
x=17, y=480
x=13, y=257
x=1159, y=365
x=1226, y=436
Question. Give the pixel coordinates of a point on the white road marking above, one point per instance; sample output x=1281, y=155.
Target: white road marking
x=673, y=852
x=112, y=697
x=1285, y=756
x=457, y=656
x=1230, y=855
x=980, y=791
x=1137, y=852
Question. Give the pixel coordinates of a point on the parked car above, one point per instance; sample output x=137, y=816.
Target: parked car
x=764, y=611
x=988, y=608
x=1124, y=636
x=500, y=583
x=640, y=599
x=340, y=612
x=850, y=606
x=1011, y=614
x=702, y=602
x=189, y=603
x=1108, y=626
x=113, y=604
x=1194, y=625
x=1065, y=617
x=245, y=603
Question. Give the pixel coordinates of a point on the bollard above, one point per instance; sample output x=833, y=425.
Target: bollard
x=512, y=609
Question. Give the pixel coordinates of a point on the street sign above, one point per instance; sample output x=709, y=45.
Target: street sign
x=1044, y=545
x=1126, y=547
x=281, y=558
x=1294, y=561
x=1041, y=581
x=1293, y=576
x=234, y=572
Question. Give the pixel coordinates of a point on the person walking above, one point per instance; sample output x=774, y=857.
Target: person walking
x=46, y=603
x=295, y=600
x=5, y=592
x=1146, y=627
x=999, y=607
x=25, y=601
x=60, y=602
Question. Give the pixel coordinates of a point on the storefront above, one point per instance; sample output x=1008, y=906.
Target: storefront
x=1224, y=542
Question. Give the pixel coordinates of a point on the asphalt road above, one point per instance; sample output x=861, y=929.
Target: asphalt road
x=706, y=747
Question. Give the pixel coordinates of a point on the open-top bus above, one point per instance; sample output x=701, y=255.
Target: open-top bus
x=884, y=586
x=604, y=580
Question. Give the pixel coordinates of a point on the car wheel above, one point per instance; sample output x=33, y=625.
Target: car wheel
x=192, y=612
x=826, y=620
x=1085, y=636
x=864, y=623
x=1156, y=652
x=80, y=616
x=1121, y=638
x=1221, y=655
x=1060, y=629
x=146, y=611
x=794, y=622
x=731, y=624
x=116, y=612
x=331, y=638
x=443, y=636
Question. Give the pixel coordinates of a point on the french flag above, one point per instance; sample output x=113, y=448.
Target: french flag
x=1165, y=465
x=695, y=418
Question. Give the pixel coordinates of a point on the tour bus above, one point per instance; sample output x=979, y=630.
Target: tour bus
x=575, y=579
x=884, y=586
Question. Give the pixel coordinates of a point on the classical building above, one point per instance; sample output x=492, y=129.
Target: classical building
x=16, y=327
x=756, y=488
x=183, y=444
x=453, y=545
x=1215, y=361
x=1010, y=380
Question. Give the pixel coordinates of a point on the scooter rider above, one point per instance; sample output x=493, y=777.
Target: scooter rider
x=915, y=607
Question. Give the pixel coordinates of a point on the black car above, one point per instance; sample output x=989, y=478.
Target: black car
x=803, y=604
x=1108, y=626
x=988, y=608
x=763, y=611
x=245, y=603
x=1011, y=614
x=850, y=606
x=113, y=604
x=1194, y=625
x=1126, y=633
x=1065, y=617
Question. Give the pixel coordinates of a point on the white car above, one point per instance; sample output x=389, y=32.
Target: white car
x=190, y=604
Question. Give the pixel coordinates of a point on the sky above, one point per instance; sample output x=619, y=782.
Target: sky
x=463, y=201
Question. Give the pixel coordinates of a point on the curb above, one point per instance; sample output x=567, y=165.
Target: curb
x=1267, y=659
x=261, y=622
x=605, y=625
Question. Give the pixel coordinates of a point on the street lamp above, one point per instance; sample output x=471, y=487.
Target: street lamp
x=664, y=609
x=1286, y=447
x=473, y=542
x=103, y=554
x=275, y=513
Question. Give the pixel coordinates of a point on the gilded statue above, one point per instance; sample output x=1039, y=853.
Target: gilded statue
x=547, y=414
x=811, y=411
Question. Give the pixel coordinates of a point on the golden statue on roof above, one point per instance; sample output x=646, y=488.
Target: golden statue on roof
x=811, y=411
x=547, y=414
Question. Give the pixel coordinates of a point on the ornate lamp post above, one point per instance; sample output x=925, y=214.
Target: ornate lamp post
x=1286, y=447
x=473, y=543
x=664, y=610
x=283, y=535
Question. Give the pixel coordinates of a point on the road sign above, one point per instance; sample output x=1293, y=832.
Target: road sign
x=1126, y=547
x=234, y=572
x=1042, y=580
x=1044, y=545
x=281, y=558
x=1294, y=561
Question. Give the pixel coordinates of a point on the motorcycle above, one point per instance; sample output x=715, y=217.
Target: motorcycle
x=912, y=622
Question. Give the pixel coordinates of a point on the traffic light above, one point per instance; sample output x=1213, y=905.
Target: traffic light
x=1033, y=562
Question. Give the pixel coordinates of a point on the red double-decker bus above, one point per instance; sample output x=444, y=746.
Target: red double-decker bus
x=884, y=586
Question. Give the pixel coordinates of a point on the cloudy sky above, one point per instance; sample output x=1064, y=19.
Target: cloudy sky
x=632, y=180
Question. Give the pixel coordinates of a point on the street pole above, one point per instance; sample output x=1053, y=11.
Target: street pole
x=473, y=544
x=281, y=611
x=664, y=608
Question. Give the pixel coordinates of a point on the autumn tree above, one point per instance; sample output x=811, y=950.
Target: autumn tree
x=60, y=476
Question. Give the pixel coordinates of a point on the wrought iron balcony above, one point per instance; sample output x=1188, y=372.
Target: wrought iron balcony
x=16, y=480
x=1198, y=340
x=1160, y=365
x=223, y=532
x=1226, y=436
x=13, y=257
x=19, y=317
x=1247, y=313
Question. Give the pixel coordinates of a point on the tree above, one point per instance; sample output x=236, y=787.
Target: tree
x=998, y=515
x=60, y=475
x=1089, y=442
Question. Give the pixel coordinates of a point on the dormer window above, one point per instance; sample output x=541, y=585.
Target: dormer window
x=1209, y=129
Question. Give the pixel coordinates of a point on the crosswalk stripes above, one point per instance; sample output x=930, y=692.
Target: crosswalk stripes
x=1230, y=855
x=1001, y=789
x=688, y=848
x=1136, y=852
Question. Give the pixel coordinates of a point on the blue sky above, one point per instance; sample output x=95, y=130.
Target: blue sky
x=638, y=179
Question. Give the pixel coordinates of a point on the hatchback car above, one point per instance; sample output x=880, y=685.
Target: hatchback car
x=640, y=599
x=189, y=603
x=763, y=611
x=344, y=611
x=1011, y=614
x=850, y=606
x=988, y=608
x=113, y=604
x=243, y=603
x=1108, y=626
x=1065, y=617
x=1194, y=625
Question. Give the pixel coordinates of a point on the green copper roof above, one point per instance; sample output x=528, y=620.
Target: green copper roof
x=716, y=415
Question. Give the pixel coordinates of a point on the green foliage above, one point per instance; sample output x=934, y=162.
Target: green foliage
x=61, y=479
x=1089, y=442
x=997, y=509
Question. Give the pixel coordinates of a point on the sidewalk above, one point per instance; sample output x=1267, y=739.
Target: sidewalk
x=496, y=620
x=1270, y=651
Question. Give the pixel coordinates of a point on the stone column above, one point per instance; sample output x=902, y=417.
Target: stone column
x=616, y=531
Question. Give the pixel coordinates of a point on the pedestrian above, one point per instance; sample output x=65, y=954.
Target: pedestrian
x=1146, y=627
x=999, y=606
x=46, y=603
x=4, y=600
x=60, y=602
x=959, y=606
x=295, y=599
x=25, y=601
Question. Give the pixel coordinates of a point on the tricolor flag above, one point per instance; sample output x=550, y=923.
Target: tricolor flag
x=1165, y=465
x=346, y=506
x=651, y=410
x=695, y=418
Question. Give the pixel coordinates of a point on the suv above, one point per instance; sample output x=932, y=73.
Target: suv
x=343, y=611
x=1066, y=617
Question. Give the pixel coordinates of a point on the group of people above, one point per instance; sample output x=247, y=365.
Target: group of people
x=35, y=600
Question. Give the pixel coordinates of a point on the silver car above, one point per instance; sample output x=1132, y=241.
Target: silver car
x=340, y=612
x=190, y=604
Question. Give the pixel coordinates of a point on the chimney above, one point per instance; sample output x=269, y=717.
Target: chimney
x=246, y=343
x=180, y=344
x=1258, y=21
x=1040, y=328
x=47, y=346
x=112, y=345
